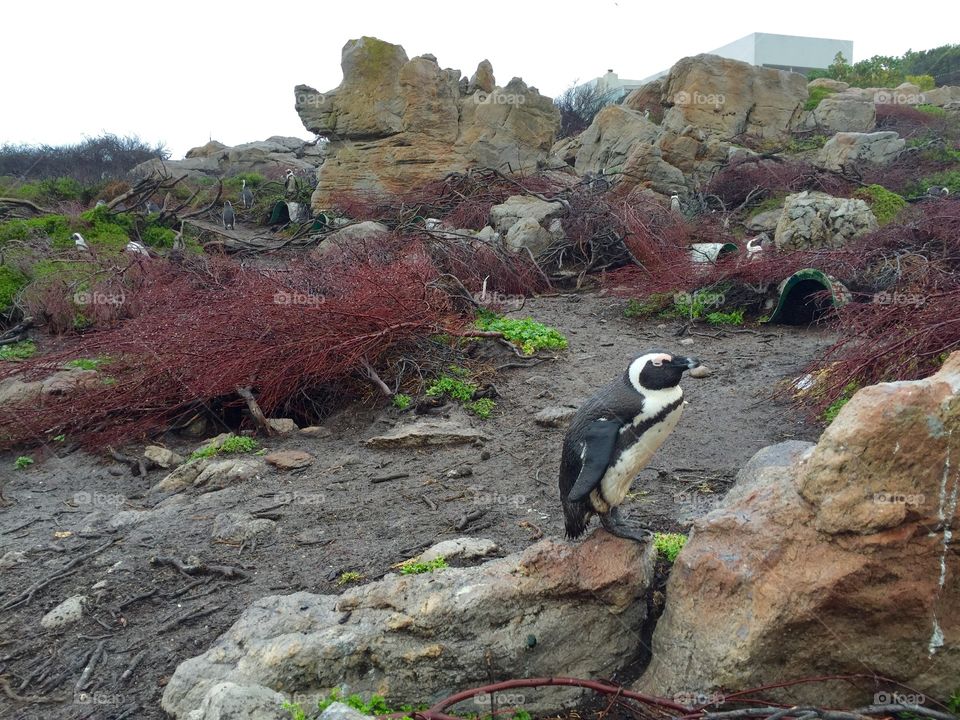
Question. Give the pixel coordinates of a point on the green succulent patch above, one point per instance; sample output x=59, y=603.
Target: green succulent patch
x=669, y=545
x=527, y=334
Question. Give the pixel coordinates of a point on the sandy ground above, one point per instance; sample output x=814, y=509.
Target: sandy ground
x=330, y=518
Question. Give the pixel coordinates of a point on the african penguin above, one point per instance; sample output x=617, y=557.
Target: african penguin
x=290, y=183
x=79, y=242
x=227, y=215
x=136, y=248
x=613, y=436
x=246, y=196
x=675, y=204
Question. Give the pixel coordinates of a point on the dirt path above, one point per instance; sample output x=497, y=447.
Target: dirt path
x=337, y=519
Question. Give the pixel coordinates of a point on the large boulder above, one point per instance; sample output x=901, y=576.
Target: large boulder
x=417, y=638
x=828, y=559
x=622, y=143
x=813, y=220
x=396, y=122
x=725, y=97
x=847, y=150
x=844, y=112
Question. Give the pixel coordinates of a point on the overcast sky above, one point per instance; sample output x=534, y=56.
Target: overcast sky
x=183, y=72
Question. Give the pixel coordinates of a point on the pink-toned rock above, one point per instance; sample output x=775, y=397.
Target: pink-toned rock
x=828, y=559
x=289, y=459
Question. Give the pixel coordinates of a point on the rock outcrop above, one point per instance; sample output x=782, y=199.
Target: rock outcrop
x=725, y=97
x=396, y=122
x=271, y=158
x=814, y=219
x=828, y=559
x=414, y=638
x=848, y=150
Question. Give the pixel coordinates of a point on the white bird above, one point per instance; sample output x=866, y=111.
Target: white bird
x=79, y=242
x=136, y=248
x=101, y=203
x=290, y=183
x=246, y=197
x=675, y=204
x=755, y=245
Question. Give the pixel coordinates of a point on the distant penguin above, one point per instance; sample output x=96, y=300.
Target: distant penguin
x=101, y=203
x=136, y=248
x=290, y=183
x=246, y=196
x=675, y=204
x=79, y=242
x=152, y=207
x=613, y=436
x=228, y=216
x=938, y=191
x=432, y=224
x=755, y=245
x=646, y=114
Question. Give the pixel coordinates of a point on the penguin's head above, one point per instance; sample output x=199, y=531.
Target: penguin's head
x=657, y=370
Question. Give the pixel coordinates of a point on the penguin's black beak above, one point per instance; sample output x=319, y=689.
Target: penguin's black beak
x=687, y=363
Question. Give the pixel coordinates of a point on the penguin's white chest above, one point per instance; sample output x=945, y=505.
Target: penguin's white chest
x=618, y=478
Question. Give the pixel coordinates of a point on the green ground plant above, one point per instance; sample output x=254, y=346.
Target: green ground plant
x=669, y=545
x=22, y=462
x=734, y=317
x=884, y=203
x=418, y=567
x=526, y=333
x=18, y=351
x=830, y=414
x=401, y=401
x=232, y=445
x=348, y=577
x=816, y=96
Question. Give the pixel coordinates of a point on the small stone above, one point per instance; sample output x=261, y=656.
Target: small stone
x=554, y=416
x=289, y=459
x=282, y=426
x=340, y=711
x=316, y=431
x=466, y=548
x=701, y=371
x=687, y=341
x=460, y=472
x=162, y=456
x=236, y=527
x=427, y=432
x=11, y=558
x=66, y=613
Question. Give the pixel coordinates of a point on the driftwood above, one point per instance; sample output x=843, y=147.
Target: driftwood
x=17, y=207
x=259, y=419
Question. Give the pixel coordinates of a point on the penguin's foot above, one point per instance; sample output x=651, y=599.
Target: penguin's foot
x=615, y=525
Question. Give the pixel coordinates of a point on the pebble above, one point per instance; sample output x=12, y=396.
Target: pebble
x=701, y=371
x=66, y=613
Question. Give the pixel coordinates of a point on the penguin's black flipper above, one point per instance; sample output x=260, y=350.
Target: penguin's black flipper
x=600, y=438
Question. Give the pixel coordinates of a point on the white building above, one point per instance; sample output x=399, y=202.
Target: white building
x=784, y=52
x=612, y=84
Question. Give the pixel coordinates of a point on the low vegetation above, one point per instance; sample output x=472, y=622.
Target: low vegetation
x=22, y=462
x=527, y=334
x=18, y=351
x=418, y=567
x=817, y=94
x=669, y=545
x=884, y=204
x=231, y=445
x=456, y=385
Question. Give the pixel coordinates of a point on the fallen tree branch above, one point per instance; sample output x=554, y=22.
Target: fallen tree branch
x=259, y=419
x=228, y=571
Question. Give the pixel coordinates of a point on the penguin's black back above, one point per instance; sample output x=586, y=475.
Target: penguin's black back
x=617, y=401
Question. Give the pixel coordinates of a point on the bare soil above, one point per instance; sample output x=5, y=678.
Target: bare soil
x=331, y=518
